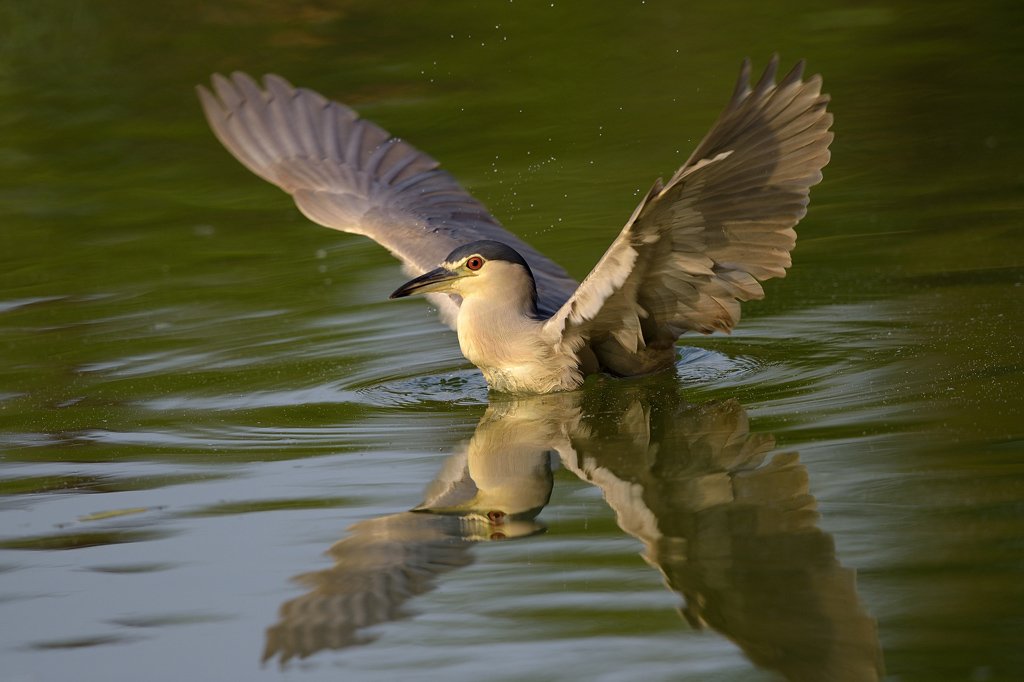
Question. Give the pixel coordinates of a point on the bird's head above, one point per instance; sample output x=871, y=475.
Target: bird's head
x=482, y=268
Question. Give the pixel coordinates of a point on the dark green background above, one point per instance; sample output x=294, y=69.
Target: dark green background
x=168, y=320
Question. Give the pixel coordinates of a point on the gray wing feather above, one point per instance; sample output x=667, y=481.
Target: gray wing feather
x=348, y=174
x=699, y=244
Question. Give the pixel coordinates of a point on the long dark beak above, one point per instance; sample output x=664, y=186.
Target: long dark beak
x=435, y=280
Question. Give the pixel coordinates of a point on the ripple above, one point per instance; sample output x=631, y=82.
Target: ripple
x=132, y=568
x=706, y=366
x=170, y=619
x=83, y=642
x=81, y=540
x=18, y=303
x=311, y=395
x=462, y=387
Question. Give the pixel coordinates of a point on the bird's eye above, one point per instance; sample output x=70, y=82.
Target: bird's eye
x=495, y=515
x=475, y=263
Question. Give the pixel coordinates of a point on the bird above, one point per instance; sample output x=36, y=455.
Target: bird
x=693, y=249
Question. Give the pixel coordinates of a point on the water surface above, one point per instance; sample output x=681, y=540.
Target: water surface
x=204, y=396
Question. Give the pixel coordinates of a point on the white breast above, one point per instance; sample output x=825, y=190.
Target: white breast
x=512, y=352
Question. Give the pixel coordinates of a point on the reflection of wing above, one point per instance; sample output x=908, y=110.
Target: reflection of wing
x=490, y=489
x=384, y=563
x=699, y=244
x=346, y=173
x=735, y=536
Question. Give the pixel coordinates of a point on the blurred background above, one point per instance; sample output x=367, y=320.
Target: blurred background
x=200, y=390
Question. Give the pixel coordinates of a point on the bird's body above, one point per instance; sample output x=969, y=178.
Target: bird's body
x=515, y=352
x=692, y=249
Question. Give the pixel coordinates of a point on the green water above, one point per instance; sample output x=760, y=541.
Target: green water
x=200, y=391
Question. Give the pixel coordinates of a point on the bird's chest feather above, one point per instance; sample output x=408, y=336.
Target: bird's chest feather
x=510, y=350
x=490, y=339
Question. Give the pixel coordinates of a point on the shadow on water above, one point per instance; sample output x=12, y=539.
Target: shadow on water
x=731, y=527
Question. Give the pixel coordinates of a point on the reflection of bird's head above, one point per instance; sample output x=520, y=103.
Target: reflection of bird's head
x=495, y=497
x=478, y=525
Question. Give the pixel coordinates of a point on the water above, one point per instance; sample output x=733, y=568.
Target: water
x=201, y=393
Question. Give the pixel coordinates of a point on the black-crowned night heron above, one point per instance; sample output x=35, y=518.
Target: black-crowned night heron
x=693, y=248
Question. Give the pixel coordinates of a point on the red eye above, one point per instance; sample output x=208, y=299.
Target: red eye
x=475, y=263
x=495, y=516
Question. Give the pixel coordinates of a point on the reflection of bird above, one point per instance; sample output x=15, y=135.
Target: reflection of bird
x=734, y=535
x=692, y=249
x=731, y=529
x=489, y=490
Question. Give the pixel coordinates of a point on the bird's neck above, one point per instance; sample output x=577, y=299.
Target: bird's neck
x=498, y=333
x=492, y=328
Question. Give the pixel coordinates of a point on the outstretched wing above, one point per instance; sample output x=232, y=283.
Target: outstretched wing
x=698, y=245
x=347, y=173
